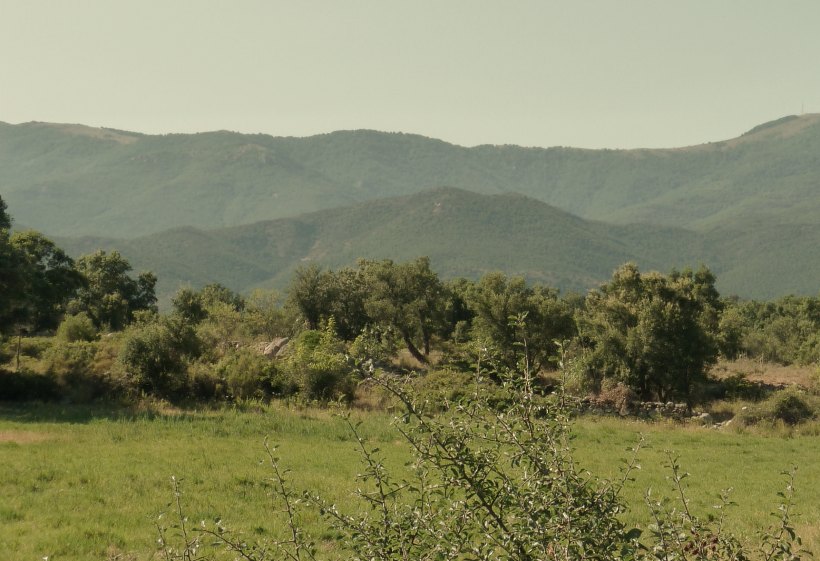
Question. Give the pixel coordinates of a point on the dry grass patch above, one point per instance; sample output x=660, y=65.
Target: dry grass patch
x=766, y=372
x=22, y=436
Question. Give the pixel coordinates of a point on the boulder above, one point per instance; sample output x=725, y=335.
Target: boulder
x=275, y=347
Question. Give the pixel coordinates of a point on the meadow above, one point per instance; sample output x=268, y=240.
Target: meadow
x=90, y=482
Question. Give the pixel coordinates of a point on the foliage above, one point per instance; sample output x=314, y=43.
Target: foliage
x=50, y=279
x=495, y=299
x=264, y=316
x=155, y=356
x=788, y=406
x=319, y=366
x=408, y=298
x=487, y=483
x=655, y=333
x=26, y=385
x=77, y=327
x=74, y=367
x=37, y=278
x=110, y=296
x=786, y=330
x=247, y=374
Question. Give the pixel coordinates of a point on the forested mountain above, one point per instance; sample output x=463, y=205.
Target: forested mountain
x=245, y=210
x=76, y=180
x=464, y=234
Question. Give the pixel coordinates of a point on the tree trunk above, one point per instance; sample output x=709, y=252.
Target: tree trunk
x=413, y=350
x=17, y=361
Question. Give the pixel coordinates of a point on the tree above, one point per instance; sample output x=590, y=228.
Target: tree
x=657, y=334
x=36, y=278
x=5, y=219
x=407, y=297
x=155, y=355
x=308, y=293
x=497, y=300
x=110, y=296
x=49, y=279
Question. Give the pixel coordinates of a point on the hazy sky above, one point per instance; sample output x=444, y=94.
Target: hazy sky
x=607, y=73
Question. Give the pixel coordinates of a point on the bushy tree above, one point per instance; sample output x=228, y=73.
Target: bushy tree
x=110, y=295
x=308, y=293
x=78, y=327
x=319, y=295
x=155, y=355
x=49, y=278
x=497, y=301
x=37, y=278
x=657, y=334
x=319, y=366
x=408, y=298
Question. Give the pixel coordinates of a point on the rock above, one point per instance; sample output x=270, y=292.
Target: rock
x=275, y=347
x=705, y=418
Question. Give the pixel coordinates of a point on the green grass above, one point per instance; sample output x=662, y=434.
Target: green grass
x=89, y=483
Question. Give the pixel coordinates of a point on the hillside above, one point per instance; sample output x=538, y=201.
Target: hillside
x=75, y=180
x=464, y=234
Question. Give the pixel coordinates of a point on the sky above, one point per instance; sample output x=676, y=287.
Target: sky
x=591, y=74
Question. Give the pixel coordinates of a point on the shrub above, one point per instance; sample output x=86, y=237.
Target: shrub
x=319, y=366
x=791, y=408
x=155, y=356
x=486, y=484
x=248, y=374
x=788, y=406
x=27, y=386
x=439, y=388
x=737, y=386
x=78, y=327
x=204, y=383
x=72, y=366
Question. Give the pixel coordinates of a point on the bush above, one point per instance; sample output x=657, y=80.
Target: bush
x=27, y=386
x=737, y=386
x=32, y=347
x=791, y=408
x=439, y=388
x=319, y=366
x=248, y=374
x=486, y=483
x=204, y=383
x=788, y=406
x=78, y=327
x=73, y=367
x=155, y=356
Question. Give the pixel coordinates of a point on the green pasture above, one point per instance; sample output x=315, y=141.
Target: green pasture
x=82, y=483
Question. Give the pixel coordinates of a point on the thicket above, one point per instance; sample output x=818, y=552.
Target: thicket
x=649, y=335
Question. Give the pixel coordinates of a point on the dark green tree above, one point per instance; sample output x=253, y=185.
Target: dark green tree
x=655, y=333
x=308, y=294
x=497, y=301
x=5, y=219
x=155, y=355
x=48, y=280
x=111, y=296
x=407, y=297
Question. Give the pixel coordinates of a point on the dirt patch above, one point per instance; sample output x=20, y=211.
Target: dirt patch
x=22, y=436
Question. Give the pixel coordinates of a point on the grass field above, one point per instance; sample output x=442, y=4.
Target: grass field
x=83, y=483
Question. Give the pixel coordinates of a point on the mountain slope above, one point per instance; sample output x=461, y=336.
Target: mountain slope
x=73, y=180
x=464, y=234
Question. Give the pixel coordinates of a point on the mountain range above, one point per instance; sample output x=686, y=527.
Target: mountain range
x=245, y=210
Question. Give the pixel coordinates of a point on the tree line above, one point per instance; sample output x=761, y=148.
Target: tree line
x=655, y=334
